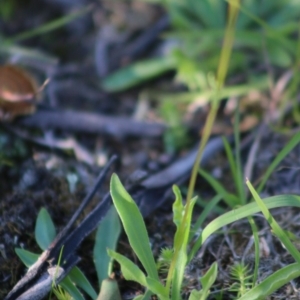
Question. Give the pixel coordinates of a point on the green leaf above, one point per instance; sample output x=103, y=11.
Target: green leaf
x=138, y=73
x=157, y=288
x=50, y=26
x=230, y=199
x=240, y=213
x=106, y=237
x=178, y=274
x=180, y=240
x=129, y=270
x=81, y=281
x=195, y=295
x=109, y=290
x=279, y=56
x=134, y=225
x=209, y=207
x=44, y=229
x=178, y=208
x=208, y=280
x=71, y=289
x=273, y=283
x=28, y=258
x=293, y=142
x=274, y=225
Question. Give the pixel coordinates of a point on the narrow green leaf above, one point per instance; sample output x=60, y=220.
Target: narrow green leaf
x=107, y=236
x=274, y=225
x=293, y=142
x=273, y=282
x=178, y=208
x=257, y=251
x=81, y=281
x=180, y=245
x=53, y=25
x=28, y=54
x=44, y=229
x=240, y=213
x=134, y=225
x=208, y=208
x=238, y=173
x=138, y=73
x=230, y=199
x=28, y=258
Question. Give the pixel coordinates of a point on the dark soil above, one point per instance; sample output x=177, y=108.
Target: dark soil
x=35, y=176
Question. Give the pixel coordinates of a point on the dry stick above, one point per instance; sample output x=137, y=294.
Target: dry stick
x=91, y=123
x=59, y=240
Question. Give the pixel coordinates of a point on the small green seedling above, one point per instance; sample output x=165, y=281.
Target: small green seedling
x=44, y=234
x=135, y=229
x=107, y=235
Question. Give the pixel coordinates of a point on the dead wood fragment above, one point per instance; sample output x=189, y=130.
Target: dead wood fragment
x=86, y=122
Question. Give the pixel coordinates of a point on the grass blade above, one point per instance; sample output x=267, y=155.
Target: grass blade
x=275, y=226
x=240, y=213
x=273, y=282
x=294, y=141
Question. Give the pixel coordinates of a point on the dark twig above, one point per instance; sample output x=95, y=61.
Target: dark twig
x=40, y=268
x=91, y=123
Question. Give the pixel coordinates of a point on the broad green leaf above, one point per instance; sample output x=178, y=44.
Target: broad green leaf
x=107, y=236
x=138, y=73
x=81, y=281
x=273, y=283
x=129, y=270
x=71, y=289
x=134, y=225
x=240, y=213
x=27, y=257
x=44, y=229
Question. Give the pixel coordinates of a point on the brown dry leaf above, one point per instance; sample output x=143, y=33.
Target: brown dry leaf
x=18, y=92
